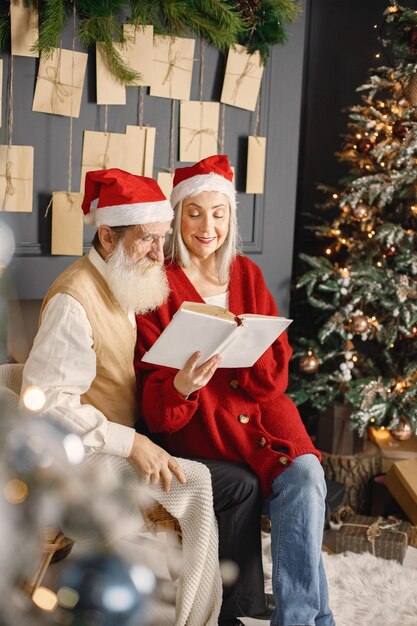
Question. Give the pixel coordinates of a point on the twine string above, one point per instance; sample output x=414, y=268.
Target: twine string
x=202, y=69
x=141, y=100
x=172, y=137
x=69, y=185
x=258, y=112
x=9, y=190
x=222, y=127
x=249, y=69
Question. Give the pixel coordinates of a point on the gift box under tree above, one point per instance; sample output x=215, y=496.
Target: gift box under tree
x=386, y=538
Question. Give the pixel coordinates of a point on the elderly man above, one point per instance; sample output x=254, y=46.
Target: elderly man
x=82, y=358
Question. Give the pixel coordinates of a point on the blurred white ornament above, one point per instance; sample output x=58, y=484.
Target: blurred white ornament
x=7, y=245
x=33, y=399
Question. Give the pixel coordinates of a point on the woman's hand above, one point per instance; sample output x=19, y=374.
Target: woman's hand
x=191, y=378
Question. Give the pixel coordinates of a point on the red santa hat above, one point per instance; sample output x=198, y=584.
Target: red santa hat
x=117, y=198
x=211, y=174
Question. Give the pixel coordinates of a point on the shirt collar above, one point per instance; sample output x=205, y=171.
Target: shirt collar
x=99, y=263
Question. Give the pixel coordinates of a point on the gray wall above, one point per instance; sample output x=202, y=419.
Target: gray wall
x=266, y=221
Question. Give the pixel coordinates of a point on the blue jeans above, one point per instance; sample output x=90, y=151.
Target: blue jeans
x=296, y=511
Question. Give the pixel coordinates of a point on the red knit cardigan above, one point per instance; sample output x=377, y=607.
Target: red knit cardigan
x=241, y=415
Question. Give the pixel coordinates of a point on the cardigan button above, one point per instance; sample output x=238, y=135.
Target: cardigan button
x=262, y=442
x=283, y=460
x=234, y=384
x=243, y=419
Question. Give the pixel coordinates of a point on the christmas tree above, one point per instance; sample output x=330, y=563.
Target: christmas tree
x=361, y=291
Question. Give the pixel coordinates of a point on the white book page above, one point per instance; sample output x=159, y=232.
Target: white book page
x=252, y=339
x=185, y=334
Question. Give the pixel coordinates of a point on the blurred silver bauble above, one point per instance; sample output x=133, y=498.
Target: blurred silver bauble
x=7, y=246
x=103, y=589
x=403, y=431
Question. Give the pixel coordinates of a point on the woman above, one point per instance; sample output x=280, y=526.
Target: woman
x=239, y=415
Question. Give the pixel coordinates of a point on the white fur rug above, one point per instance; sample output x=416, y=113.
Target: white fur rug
x=368, y=591
x=364, y=590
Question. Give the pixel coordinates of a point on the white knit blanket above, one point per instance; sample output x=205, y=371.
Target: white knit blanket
x=199, y=592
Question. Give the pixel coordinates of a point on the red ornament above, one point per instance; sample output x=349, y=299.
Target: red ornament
x=412, y=39
x=389, y=250
x=361, y=211
x=400, y=129
x=364, y=145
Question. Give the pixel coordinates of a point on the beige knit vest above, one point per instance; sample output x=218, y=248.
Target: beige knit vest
x=113, y=391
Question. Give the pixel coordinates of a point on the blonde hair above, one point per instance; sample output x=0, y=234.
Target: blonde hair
x=177, y=251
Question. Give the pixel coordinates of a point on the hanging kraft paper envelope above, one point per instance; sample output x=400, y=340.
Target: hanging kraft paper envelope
x=138, y=52
x=24, y=26
x=173, y=59
x=166, y=181
x=242, y=79
x=140, y=149
x=60, y=83
x=102, y=151
x=199, y=130
x=16, y=178
x=67, y=224
x=108, y=89
x=255, y=170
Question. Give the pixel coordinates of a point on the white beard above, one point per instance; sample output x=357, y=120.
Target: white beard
x=138, y=286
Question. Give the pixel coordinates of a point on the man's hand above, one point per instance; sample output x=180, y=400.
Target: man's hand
x=154, y=463
x=191, y=378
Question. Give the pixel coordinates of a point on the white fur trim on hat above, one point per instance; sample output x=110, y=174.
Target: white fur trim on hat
x=130, y=214
x=203, y=182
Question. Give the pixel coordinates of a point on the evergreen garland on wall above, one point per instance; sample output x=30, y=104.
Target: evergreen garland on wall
x=256, y=24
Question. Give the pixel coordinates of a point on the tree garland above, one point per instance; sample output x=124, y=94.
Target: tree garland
x=256, y=24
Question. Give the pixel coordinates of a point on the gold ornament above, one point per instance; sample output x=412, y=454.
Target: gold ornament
x=360, y=324
x=309, y=363
x=403, y=431
x=361, y=211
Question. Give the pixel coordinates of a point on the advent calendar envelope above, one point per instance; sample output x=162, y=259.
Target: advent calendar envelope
x=166, y=180
x=172, y=67
x=108, y=89
x=67, y=223
x=199, y=130
x=138, y=52
x=255, y=171
x=140, y=149
x=242, y=79
x=24, y=27
x=60, y=83
x=102, y=151
x=16, y=178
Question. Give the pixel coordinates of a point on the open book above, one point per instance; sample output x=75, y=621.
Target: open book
x=213, y=330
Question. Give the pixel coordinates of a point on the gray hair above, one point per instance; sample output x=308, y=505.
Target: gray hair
x=177, y=251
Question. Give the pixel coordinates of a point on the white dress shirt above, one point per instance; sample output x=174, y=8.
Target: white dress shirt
x=62, y=363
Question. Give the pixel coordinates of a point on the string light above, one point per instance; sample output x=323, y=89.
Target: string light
x=413, y=208
x=328, y=250
x=45, y=599
x=377, y=55
x=34, y=399
x=335, y=196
